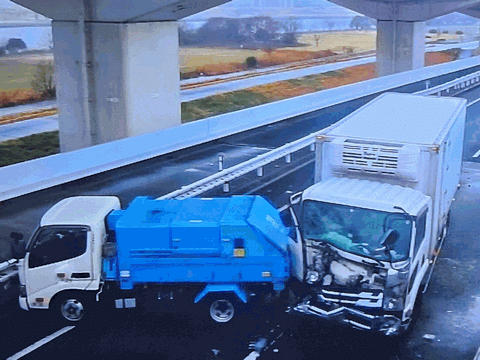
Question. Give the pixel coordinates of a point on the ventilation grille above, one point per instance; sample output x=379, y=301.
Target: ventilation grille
x=370, y=158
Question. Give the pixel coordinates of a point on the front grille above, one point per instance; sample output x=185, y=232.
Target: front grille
x=364, y=299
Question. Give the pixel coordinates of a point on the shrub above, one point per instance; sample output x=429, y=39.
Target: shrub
x=43, y=81
x=251, y=62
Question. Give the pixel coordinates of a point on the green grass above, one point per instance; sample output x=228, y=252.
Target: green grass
x=221, y=104
x=29, y=147
x=15, y=76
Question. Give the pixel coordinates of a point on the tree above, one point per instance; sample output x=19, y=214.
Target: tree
x=317, y=39
x=251, y=62
x=15, y=45
x=361, y=22
x=290, y=28
x=44, y=81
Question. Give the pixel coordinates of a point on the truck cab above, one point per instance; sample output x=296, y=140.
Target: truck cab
x=365, y=252
x=64, y=253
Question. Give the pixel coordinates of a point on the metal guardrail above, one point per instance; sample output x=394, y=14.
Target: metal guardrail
x=453, y=87
x=257, y=163
x=8, y=272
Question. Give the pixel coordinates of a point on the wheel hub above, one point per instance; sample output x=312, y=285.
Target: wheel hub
x=72, y=309
x=222, y=311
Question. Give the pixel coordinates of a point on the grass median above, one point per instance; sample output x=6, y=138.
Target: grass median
x=29, y=147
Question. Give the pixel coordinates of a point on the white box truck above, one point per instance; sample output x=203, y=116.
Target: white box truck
x=375, y=219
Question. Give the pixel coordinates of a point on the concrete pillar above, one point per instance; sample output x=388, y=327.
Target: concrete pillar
x=131, y=80
x=400, y=46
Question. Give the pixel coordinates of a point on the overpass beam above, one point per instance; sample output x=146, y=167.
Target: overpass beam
x=125, y=82
x=400, y=46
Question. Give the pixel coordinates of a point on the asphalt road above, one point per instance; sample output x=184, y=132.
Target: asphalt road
x=449, y=310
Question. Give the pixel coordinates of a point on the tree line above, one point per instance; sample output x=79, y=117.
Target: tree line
x=254, y=32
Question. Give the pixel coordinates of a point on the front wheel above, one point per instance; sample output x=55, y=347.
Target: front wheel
x=72, y=308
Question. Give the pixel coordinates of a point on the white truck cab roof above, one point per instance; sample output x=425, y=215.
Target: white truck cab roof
x=367, y=194
x=80, y=210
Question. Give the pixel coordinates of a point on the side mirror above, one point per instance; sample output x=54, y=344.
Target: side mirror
x=390, y=238
x=295, y=198
x=18, y=245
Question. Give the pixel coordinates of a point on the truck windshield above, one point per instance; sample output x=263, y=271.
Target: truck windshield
x=357, y=230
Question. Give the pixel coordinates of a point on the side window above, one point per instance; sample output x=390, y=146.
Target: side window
x=420, y=233
x=53, y=245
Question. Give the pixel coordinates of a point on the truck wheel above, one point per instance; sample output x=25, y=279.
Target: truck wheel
x=71, y=308
x=223, y=308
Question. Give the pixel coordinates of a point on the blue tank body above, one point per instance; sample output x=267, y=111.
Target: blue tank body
x=235, y=240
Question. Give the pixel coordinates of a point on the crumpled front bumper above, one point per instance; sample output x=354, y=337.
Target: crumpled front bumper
x=386, y=324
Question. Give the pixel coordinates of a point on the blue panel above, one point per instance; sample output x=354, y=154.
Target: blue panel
x=222, y=288
x=266, y=219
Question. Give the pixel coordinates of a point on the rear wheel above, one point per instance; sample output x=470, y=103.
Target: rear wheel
x=223, y=308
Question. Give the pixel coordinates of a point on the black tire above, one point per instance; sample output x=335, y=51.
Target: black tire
x=223, y=308
x=73, y=307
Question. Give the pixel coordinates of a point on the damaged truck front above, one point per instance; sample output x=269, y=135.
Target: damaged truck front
x=375, y=219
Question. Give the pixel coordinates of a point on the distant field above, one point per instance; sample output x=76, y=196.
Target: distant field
x=191, y=58
x=16, y=72
x=336, y=41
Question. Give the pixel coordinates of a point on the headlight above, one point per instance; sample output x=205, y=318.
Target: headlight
x=396, y=289
x=312, y=276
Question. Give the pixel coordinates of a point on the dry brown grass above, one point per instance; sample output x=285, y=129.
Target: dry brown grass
x=18, y=97
x=27, y=115
x=296, y=87
x=264, y=59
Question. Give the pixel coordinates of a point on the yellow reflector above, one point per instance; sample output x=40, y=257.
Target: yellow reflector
x=239, y=252
x=266, y=274
x=39, y=300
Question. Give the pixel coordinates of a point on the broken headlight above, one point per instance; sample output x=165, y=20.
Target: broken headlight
x=312, y=276
x=396, y=288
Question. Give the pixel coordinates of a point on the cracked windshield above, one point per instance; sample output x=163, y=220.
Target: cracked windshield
x=357, y=230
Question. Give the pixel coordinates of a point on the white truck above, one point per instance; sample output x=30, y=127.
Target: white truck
x=375, y=219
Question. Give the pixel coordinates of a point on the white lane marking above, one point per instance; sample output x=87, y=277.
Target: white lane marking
x=41, y=342
x=285, y=207
x=477, y=154
x=252, y=356
x=477, y=355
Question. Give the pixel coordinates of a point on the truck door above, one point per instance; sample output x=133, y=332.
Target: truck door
x=58, y=254
x=295, y=244
x=420, y=258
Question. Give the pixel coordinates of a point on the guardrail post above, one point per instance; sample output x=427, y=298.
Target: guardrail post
x=260, y=171
x=220, y=162
x=312, y=147
x=427, y=84
x=226, y=187
x=288, y=158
